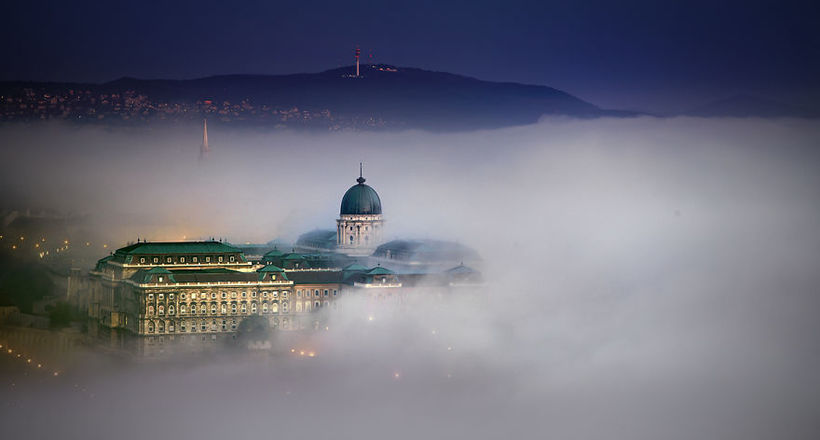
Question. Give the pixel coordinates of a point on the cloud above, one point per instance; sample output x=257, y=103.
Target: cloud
x=646, y=278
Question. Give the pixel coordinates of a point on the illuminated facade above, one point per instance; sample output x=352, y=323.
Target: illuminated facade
x=202, y=291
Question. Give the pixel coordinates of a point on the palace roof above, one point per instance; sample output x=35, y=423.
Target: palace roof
x=178, y=247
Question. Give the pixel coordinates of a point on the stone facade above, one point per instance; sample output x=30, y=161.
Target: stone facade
x=359, y=234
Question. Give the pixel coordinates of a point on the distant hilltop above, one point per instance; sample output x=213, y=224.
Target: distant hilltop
x=381, y=97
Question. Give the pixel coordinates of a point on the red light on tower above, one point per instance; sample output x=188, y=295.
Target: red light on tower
x=358, y=52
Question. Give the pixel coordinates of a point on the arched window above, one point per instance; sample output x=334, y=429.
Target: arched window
x=298, y=306
x=253, y=307
x=171, y=310
x=317, y=304
x=170, y=326
x=264, y=307
x=274, y=307
x=161, y=310
x=223, y=308
x=351, y=238
x=183, y=327
x=203, y=326
x=244, y=308
x=161, y=327
x=213, y=308
x=182, y=309
x=233, y=307
x=193, y=326
x=284, y=307
x=150, y=326
x=203, y=309
x=168, y=260
x=307, y=306
x=150, y=310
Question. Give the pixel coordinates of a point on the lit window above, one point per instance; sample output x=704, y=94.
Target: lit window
x=156, y=260
x=233, y=294
x=233, y=258
x=150, y=296
x=168, y=260
x=161, y=296
x=208, y=259
x=253, y=308
x=160, y=278
x=182, y=309
x=181, y=259
x=161, y=310
x=142, y=260
x=220, y=258
x=264, y=307
x=223, y=308
x=195, y=259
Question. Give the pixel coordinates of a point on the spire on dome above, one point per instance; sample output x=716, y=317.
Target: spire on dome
x=361, y=179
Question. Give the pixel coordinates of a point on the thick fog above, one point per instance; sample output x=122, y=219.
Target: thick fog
x=645, y=279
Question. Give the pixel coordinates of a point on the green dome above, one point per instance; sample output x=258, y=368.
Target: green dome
x=361, y=199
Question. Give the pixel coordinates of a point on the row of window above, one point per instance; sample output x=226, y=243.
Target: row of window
x=183, y=260
x=223, y=308
x=316, y=292
x=185, y=326
x=223, y=295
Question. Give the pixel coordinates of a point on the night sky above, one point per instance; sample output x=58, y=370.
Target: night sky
x=650, y=55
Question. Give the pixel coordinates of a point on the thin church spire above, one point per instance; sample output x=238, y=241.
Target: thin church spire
x=204, y=149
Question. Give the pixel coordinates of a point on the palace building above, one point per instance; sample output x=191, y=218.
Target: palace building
x=201, y=291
